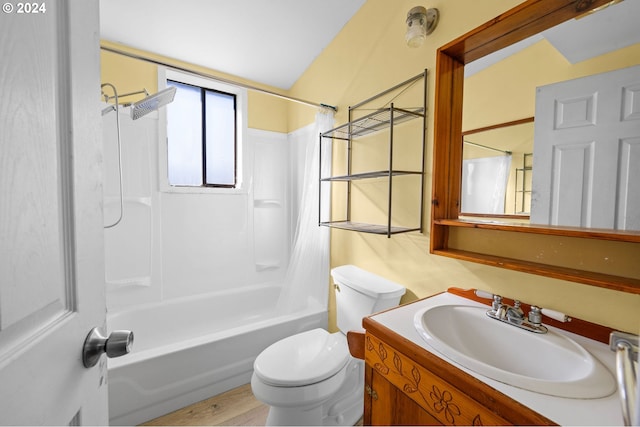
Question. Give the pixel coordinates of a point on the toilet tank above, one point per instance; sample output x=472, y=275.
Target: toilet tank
x=360, y=293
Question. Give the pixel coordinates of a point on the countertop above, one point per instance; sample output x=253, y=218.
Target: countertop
x=564, y=411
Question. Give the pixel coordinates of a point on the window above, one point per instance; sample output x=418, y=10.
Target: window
x=201, y=137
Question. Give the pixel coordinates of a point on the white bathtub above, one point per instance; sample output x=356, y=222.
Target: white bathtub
x=190, y=349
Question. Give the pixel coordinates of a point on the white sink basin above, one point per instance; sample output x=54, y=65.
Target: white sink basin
x=548, y=363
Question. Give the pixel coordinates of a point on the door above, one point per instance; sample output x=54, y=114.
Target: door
x=51, y=238
x=386, y=405
x=586, y=152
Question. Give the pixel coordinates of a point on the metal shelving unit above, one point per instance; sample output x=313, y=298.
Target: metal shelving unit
x=522, y=200
x=380, y=120
x=374, y=122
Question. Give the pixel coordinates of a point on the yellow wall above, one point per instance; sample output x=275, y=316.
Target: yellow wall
x=370, y=55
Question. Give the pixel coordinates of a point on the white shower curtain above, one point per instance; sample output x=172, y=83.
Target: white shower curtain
x=307, y=276
x=484, y=184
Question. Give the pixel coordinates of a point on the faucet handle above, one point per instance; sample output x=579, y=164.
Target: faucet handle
x=556, y=315
x=483, y=294
x=535, y=316
x=497, y=302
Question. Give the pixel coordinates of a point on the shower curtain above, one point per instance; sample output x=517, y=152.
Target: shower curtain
x=307, y=276
x=484, y=184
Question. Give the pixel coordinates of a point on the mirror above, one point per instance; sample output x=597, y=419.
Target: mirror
x=508, y=84
x=520, y=23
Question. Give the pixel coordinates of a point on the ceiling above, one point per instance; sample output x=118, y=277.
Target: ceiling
x=267, y=41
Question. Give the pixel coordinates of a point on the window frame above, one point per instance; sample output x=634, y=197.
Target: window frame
x=240, y=93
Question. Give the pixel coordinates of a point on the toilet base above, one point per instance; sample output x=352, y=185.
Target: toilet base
x=292, y=416
x=344, y=408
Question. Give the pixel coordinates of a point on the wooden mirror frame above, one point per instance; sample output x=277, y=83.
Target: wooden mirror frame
x=519, y=23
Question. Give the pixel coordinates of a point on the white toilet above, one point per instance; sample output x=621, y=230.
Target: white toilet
x=310, y=378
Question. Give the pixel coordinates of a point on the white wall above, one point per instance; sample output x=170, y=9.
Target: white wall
x=172, y=244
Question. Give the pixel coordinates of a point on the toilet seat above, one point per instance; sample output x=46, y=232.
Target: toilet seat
x=302, y=359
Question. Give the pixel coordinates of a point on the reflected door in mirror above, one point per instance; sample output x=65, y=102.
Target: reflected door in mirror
x=587, y=152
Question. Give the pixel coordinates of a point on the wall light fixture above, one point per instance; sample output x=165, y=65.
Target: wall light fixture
x=420, y=23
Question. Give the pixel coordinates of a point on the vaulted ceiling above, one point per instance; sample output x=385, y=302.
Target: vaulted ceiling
x=266, y=41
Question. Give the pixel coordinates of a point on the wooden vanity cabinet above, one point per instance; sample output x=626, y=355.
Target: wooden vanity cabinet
x=407, y=385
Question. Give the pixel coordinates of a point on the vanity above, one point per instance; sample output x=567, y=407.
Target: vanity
x=410, y=382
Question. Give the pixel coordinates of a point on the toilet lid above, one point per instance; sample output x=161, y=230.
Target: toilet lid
x=302, y=359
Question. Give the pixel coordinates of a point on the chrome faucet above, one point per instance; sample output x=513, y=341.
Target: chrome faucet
x=514, y=315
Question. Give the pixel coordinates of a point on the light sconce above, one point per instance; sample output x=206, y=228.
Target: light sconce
x=420, y=23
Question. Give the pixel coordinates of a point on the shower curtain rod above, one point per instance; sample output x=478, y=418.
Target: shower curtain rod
x=488, y=148
x=219, y=79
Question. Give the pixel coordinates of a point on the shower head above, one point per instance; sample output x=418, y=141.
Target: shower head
x=152, y=103
x=108, y=109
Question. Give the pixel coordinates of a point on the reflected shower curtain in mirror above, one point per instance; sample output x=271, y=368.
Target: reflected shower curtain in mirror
x=307, y=275
x=484, y=184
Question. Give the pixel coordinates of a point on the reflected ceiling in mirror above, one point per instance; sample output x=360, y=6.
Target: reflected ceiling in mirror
x=610, y=28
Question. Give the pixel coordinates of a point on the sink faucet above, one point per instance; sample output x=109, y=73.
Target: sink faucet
x=503, y=311
x=514, y=315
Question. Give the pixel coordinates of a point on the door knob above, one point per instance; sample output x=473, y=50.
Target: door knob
x=117, y=344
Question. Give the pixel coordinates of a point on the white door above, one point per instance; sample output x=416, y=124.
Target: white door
x=51, y=238
x=586, y=164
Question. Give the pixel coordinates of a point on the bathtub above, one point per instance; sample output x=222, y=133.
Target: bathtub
x=190, y=349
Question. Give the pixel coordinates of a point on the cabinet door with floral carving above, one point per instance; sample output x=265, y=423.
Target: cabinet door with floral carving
x=390, y=406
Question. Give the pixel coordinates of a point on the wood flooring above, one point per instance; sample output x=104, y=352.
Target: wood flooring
x=237, y=407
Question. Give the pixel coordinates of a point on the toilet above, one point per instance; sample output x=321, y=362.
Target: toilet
x=310, y=378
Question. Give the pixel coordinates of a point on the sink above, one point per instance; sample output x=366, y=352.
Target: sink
x=549, y=363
